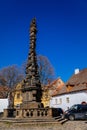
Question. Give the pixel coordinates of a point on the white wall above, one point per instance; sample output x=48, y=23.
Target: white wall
x=3, y=104
x=74, y=98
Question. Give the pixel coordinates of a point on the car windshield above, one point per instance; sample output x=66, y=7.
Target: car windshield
x=74, y=107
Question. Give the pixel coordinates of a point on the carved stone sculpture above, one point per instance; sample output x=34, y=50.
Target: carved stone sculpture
x=31, y=85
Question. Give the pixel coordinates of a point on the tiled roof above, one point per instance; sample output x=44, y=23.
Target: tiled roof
x=51, y=85
x=78, y=82
x=58, y=89
x=55, y=86
x=79, y=78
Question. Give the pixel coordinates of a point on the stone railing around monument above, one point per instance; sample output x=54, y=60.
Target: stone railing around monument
x=33, y=113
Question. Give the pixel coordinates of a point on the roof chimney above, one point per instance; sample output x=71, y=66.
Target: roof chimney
x=76, y=71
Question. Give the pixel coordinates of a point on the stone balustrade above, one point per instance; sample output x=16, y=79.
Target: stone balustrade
x=33, y=113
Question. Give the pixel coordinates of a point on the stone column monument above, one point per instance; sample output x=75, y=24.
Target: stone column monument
x=31, y=85
x=31, y=106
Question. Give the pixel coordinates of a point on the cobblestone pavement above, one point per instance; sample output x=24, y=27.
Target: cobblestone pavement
x=69, y=125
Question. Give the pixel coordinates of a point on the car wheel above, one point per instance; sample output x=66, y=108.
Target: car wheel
x=71, y=117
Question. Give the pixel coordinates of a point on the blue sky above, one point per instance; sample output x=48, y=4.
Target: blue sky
x=62, y=33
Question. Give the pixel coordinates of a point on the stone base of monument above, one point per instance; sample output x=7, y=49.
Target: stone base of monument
x=9, y=113
x=34, y=113
x=28, y=113
x=30, y=105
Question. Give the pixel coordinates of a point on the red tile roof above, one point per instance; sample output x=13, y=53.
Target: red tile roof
x=78, y=82
x=79, y=78
x=55, y=86
x=4, y=91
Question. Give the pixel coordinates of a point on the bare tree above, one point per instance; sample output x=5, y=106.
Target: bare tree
x=46, y=70
x=2, y=81
x=12, y=75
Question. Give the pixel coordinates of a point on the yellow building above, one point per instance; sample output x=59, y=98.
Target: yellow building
x=48, y=91
x=18, y=95
x=45, y=98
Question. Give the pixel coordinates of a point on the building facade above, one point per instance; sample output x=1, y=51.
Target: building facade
x=51, y=89
x=4, y=100
x=18, y=99
x=65, y=101
x=74, y=91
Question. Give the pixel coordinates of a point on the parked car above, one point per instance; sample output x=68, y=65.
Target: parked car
x=77, y=111
x=57, y=112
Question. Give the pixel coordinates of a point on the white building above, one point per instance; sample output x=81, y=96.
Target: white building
x=65, y=101
x=74, y=92
x=3, y=104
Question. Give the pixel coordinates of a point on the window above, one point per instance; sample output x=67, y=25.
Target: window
x=60, y=100
x=84, y=109
x=55, y=101
x=18, y=95
x=67, y=100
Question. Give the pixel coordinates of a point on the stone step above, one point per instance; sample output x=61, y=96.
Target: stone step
x=60, y=119
x=27, y=120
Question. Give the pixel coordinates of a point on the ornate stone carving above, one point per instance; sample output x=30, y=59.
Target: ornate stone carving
x=32, y=83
